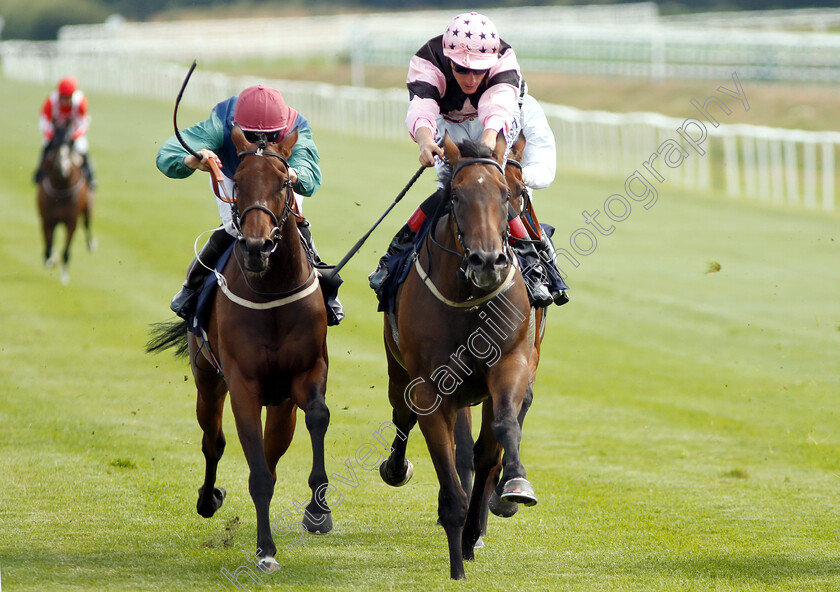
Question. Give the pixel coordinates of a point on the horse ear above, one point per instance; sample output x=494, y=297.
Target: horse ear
x=518, y=147
x=238, y=138
x=286, y=144
x=501, y=147
x=451, y=150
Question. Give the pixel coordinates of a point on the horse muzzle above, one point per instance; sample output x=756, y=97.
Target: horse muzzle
x=256, y=252
x=484, y=268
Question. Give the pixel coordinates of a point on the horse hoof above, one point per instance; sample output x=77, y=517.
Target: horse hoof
x=218, y=499
x=92, y=244
x=479, y=544
x=502, y=508
x=393, y=481
x=268, y=565
x=520, y=491
x=317, y=523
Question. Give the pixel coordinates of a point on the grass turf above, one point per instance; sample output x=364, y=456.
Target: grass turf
x=684, y=433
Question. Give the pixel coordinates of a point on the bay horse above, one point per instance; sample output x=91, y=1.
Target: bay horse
x=267, y=334
x=63, y=197
x=460, y=337
x=519, y=200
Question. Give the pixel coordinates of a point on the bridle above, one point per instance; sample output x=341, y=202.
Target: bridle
x=238, y=217
x=523, y=193
x=459, y=234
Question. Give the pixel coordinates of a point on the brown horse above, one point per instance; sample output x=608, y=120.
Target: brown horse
x=267, y=331
x=460, y=337
x=464, y=442
x=63, y=197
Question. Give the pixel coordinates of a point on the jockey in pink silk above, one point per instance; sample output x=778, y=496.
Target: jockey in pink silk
x=465, y=82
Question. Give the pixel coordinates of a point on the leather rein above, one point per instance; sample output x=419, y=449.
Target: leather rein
x=281, y=298
x=459, y=235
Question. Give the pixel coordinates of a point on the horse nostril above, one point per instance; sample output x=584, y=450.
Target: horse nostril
x=501, y=260
x=259, y=246
x=475, y=260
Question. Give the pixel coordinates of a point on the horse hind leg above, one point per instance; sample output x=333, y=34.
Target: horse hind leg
x=438, y=429
x=464, y=449
x=486, y=462
x=87, y=217
x=209, y=411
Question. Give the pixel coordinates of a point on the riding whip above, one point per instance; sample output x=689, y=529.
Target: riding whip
x=214, y=168
x=362, y=240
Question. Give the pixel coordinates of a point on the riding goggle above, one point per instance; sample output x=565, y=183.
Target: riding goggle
x=459, y=69
x=270, y=137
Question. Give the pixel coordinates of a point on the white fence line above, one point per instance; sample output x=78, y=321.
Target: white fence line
x=626, y=40
x=780, y=166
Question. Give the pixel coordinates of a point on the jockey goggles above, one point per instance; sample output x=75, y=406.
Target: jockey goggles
x=459, y=69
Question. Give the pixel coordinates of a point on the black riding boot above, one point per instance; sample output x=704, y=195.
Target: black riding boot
x=335, y=310
x=401, y=241
x=303, y=228
x=404, y=239
x=183, y=303
x=532, y=272
x=87, y=171
x=39, y=172
x=556, y=286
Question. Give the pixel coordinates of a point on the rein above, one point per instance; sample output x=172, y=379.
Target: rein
x=427, y=281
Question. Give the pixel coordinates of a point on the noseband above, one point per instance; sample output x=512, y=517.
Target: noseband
x=239, y=218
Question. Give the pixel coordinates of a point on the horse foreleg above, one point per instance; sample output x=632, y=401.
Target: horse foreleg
x=508, y=384
x=247, y=410
x=438, y=429
x=497, y=505
x=65, y=259
x=49, y=231
x=317, y=518
x=488, y=452
x=397, y=470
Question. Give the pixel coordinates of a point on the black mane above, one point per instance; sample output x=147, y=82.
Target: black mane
x=473, y=149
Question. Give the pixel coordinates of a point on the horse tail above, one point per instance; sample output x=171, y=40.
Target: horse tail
x=168, y=335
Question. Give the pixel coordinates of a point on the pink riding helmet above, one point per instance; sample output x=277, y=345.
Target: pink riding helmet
x=261, y=109
x=472, y=41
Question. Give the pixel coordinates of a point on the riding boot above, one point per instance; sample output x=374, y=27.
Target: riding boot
x=39, y=172
x=335, y=310
x=87, y=171
x=309, y=242
x=183, y=303
x=403, y=240
x=556, y=286
x=532, y=272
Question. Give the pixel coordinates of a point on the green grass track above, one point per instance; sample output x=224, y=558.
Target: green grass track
x=685, y=433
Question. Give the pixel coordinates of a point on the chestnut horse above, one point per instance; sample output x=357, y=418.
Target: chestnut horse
x=460, y=337
x=464, y=442
x=63, y=196
x=267, y=332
